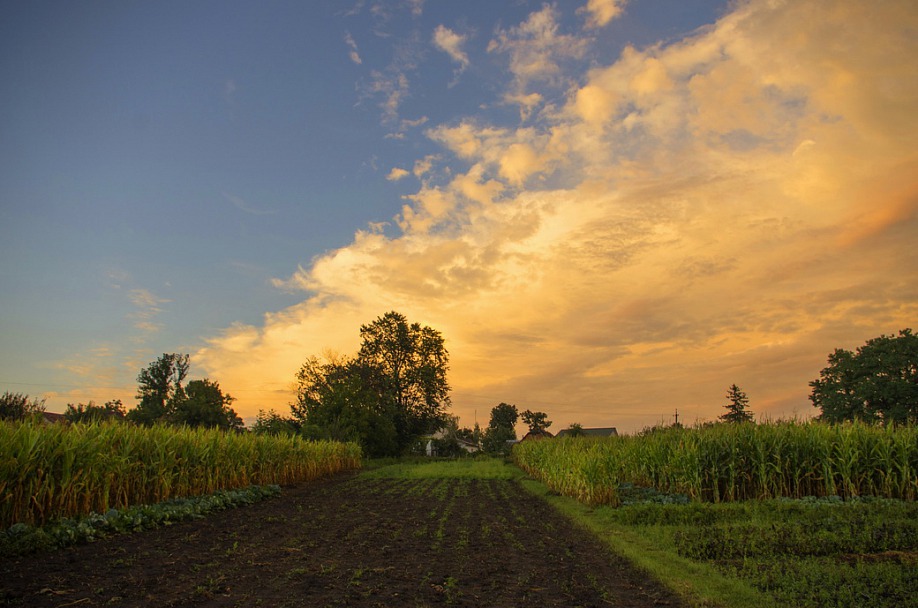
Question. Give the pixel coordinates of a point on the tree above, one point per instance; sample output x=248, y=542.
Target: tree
x=736, y=409
x=160, y=388
x=876, y=383
x=272, y=423
x=336, y=400
x=163, y=397
x=575, y=430
x=204, y=404
x=90, y=412
x=501, y=429
x=536, y=421
x=407, y=367
x=393, y=392
x=16, y=406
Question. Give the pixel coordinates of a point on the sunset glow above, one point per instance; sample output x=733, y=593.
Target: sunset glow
x=604, y=228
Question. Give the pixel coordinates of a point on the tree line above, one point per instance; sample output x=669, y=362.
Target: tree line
x=394, y=391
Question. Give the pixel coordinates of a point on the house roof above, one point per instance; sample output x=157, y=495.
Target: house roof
x=608, y=431
x=536, y=435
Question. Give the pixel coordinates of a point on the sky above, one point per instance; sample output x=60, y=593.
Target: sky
x=612, y=210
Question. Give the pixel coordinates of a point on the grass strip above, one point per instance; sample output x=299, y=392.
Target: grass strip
x=700, y=584
x=467, y=468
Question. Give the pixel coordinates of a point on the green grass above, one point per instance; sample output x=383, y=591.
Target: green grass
x=699, y=583
x=807, y=553
x=468, y=468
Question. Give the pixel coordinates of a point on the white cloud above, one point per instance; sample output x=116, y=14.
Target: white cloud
x=240, y=204
x=536, y=47
x=725, y=208
x=451, y=43
x=396, y=174
x=601, y=12
x=354, y=53
x=147, y=308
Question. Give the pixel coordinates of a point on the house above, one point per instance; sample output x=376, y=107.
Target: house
x=53, y=417
x=543, y=434
x=609, y=431
x=430, y=449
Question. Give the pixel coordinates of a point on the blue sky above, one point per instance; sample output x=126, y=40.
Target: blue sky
x=610, y=209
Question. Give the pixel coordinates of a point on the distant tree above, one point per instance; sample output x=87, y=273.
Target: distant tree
x=272, y=423
x=536, y=421
x=336, y=400
x=90, y=412
x=16, y=406
x=388, y=396
x=876, y=383
x=477, y=435
x=204, y=404
x=575, y=430
x=163, y=397
x=501, y=429
x=407, y=365
x=160, y=388
x=472, y=435
x=737, y=407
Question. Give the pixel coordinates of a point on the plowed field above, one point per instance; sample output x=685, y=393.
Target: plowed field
x=347, y=541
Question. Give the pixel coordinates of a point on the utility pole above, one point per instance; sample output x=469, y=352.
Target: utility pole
x=677, y=417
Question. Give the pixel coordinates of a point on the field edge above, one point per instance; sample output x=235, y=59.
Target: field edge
x=700, y=585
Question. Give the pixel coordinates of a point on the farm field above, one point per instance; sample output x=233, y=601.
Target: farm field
x=807, y=515
x=438, y=537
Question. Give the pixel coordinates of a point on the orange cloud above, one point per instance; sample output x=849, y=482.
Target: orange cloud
x=697, y=214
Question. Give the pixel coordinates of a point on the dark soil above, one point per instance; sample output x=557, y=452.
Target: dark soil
x=347, y=541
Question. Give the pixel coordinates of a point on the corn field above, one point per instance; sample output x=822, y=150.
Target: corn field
x=732, y=462
x=51, y=471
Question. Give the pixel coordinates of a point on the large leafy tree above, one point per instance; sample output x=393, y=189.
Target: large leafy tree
x=737, y=406
x=160, y=388
x=336, y=400
x=406, y=366
x=163, y=396
x=876, y=383
x=204, y=404
x=392, y=392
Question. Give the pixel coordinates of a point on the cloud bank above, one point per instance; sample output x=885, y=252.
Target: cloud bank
x=727, y=208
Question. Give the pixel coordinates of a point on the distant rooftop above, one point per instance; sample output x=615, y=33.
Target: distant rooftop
x=609, y=431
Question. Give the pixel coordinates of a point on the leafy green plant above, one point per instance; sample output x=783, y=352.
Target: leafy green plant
x=23, y=538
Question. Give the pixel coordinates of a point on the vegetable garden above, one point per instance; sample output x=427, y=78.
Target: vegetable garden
x=737, y=516
x=809, y=515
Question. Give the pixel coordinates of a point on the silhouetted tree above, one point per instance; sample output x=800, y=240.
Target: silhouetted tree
x=272, y=423
x=16, y=406
x=160, y=388
x=90, y=412
x=575, y=430
x=336, y=400
x=204, y=404
x=536, y=421
x=737, y=408
x=501, y=429
x=877, y=383
x=393, y=392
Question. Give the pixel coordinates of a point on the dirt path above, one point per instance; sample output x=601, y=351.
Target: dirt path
x=347, y=541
